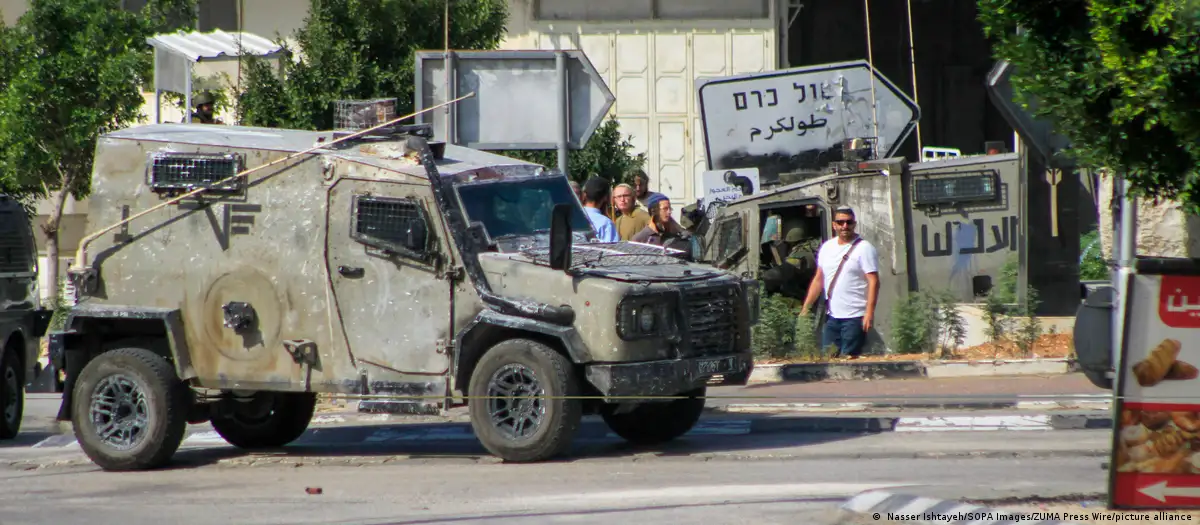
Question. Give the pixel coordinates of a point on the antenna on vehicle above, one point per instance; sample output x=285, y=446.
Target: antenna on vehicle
x=80, y=266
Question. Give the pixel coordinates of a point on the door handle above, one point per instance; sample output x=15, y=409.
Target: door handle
x=352, y=272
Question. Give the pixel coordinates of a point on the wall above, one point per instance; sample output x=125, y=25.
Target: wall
x=651, y=66
x=1163, y=230
x=12, y=9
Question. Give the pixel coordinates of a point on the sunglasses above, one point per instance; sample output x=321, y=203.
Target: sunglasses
x=844, y=222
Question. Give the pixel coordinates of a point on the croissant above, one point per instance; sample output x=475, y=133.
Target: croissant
x=1173, y=464
x=1153, y=369
x=1167, y=443
x=1182, y=371
x=1186, y=421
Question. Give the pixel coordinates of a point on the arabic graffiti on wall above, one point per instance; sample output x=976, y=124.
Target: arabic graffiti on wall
x=1004, y=237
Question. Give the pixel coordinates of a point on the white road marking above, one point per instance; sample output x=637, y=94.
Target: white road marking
x=973, y=423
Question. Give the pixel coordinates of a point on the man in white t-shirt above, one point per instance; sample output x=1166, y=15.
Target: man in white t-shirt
x=850, y=300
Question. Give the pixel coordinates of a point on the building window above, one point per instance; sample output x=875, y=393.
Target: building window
x=612, y=10
x=217, y=14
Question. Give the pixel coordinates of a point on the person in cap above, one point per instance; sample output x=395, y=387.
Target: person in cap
x=662, y=228
x=848, y=273
x=595, y=199
x=203, y=114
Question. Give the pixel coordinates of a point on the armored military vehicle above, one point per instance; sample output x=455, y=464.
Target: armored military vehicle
x=383, y=265
x=23, y=320
x=948, y=224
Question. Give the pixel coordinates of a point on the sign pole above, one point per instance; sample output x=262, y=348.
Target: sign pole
x=564, y=117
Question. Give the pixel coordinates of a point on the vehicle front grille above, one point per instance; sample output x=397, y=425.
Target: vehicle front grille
x=711, y=315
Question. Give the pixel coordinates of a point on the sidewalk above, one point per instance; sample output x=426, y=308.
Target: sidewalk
x=1044, y=392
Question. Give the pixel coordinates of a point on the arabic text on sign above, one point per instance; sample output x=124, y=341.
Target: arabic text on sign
x=1179, y=301
x=800, y=127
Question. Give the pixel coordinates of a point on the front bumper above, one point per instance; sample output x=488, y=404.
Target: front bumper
x=667, y=377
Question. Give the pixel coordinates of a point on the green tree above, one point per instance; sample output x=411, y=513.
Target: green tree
x=361, y=49
x=71, y=71
x=1119, y=79
x=606, y=154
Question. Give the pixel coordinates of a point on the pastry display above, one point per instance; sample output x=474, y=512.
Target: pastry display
x=1163, y=364
x=1159, y=442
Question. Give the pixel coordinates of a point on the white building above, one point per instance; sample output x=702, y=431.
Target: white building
x=648, y=51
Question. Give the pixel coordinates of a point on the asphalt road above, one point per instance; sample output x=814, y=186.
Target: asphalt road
x=600, y=490
x=376, y=470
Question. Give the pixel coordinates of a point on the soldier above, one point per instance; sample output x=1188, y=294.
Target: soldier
x=803, y=253
x=791, y=276
x=204, y=109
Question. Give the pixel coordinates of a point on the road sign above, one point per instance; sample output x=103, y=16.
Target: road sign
x=796, y=119
x=726, y=185
x=518, y=98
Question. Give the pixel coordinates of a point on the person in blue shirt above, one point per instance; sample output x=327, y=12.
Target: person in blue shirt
x=595, y=199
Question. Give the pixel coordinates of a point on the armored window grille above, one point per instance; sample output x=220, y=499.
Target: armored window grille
x=729, y=238
x=189, y=171
x=967, y=188
x=355, y=115
x=392, y=224
x=16, y=255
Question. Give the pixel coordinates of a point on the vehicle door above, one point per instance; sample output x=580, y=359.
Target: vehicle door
x=383, y=252
x=727, y=240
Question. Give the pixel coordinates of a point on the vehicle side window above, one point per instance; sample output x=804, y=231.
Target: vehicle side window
x=16, y=248
x=728, y=239
x=396, y=225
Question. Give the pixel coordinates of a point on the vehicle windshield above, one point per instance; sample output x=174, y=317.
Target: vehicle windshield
x=520, y=208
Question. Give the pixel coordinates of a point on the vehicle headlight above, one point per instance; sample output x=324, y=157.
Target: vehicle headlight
x=753, y=291
x=641, y=317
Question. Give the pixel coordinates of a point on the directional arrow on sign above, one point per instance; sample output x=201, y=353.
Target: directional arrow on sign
x=1160, y=491
x=516, y=102
x=797, y=119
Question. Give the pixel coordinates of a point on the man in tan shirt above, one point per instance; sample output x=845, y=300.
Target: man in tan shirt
x=632, y=219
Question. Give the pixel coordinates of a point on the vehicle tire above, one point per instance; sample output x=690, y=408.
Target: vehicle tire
x=12, y=394
x=269, y=420
x=655, y=423
x=525, y=430
x=134, y=393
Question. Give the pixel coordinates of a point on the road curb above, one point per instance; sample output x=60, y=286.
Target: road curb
x=916, y=369
x=881, y=505
x=1040, y=406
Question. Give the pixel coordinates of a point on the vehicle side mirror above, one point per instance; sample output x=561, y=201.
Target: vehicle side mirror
x=560, y=236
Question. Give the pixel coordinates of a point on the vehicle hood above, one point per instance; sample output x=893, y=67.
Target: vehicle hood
x=625, y=261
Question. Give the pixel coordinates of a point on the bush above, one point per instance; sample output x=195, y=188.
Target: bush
x=1092, y=265
x=928, y=322
x=772, y=337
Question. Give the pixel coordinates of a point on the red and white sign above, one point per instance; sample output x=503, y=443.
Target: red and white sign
x=1156, y=462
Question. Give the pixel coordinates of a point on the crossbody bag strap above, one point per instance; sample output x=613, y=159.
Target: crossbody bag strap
x=833, y=282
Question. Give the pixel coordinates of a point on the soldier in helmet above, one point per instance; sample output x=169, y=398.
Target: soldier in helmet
x=790, y=277
x=204, y=109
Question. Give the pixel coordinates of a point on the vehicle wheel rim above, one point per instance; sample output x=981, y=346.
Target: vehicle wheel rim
x=515, y=402
x=119, y=412
x=12, y=388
